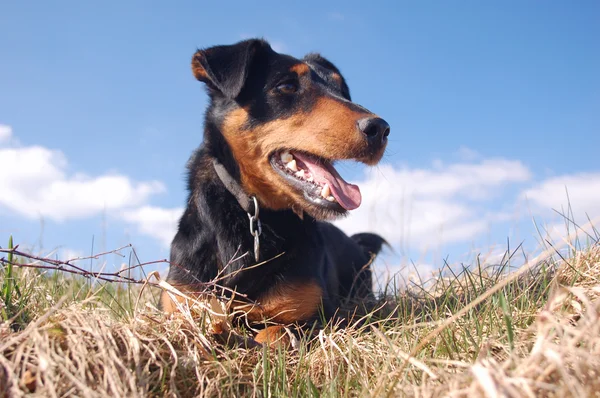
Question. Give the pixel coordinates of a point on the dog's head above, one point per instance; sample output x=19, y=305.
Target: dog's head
x=286, y=122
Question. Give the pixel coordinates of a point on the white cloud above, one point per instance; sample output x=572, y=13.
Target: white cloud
x=425, y=208
x=467, y=154
x=583, y=195
x=35, y=181
x=576, y=196
x=401, y=275
x=5, y=133
x=156, y=222
x=420, y=208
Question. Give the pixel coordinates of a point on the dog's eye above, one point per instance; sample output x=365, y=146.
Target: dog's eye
x=287, y=88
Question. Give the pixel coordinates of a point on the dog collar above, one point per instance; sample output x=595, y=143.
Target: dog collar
x=248, y=203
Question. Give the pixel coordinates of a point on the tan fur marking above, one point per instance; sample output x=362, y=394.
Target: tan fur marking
x=273, y=334
x=300, y=69
x=336, y=78
x=168, y=302
x=328, y=131
x=197, y=68
x=285, y=303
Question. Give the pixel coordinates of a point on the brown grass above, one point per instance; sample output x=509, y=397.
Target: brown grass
x=535, y=335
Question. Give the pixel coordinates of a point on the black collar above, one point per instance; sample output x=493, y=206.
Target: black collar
x=249, y=204
x=234, y=187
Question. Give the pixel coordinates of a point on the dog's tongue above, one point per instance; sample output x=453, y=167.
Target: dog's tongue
x=347, y=195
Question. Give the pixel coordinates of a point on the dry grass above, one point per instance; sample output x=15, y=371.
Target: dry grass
x=483, y=332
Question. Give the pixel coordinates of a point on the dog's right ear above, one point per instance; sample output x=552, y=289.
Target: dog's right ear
x=225, y=68
x=327, y=64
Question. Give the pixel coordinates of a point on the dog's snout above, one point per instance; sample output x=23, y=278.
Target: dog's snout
x=375, y=130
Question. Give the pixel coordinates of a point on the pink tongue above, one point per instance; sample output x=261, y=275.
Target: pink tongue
x=347, y=195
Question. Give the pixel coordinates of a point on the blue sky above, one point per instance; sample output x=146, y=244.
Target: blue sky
x=494, y=109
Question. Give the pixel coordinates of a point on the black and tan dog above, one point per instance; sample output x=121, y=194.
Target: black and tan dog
x=263, y=182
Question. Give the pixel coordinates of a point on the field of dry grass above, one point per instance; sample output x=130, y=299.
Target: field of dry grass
x=495, y=332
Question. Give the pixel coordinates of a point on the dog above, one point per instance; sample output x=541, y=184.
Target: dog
x=262, y=186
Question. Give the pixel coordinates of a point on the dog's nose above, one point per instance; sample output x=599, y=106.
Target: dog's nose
x=375, y=129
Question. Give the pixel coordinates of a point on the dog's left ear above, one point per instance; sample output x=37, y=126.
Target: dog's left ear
x=318, y=59
x=225, y=68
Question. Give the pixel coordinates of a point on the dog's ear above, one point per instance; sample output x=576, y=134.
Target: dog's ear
x=225, y=68
x=317, y=59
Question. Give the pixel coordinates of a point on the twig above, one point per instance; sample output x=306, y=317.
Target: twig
x=45, y=263
x=66, y=266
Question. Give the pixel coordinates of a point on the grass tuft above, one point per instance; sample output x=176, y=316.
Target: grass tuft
x=468, y=331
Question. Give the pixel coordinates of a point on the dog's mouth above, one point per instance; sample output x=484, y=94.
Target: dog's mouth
x=317, y=179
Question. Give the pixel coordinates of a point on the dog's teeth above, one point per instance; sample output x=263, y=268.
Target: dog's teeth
x=309, y=178
x=286, y=157
x=299, y=173
x=292, y=165
x=330, y=198
x=326, y=191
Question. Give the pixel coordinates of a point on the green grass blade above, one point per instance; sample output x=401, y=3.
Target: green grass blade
x=508, y=321
x=7, y=286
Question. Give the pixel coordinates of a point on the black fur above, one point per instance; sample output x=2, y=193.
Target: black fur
x=214, y=230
